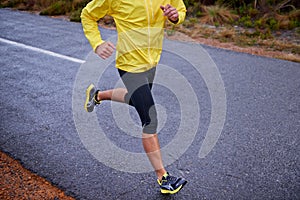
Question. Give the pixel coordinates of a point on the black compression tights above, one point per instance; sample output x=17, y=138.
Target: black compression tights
x=139, y=95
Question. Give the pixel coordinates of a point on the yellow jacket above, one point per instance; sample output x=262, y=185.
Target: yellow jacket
x=140, y=30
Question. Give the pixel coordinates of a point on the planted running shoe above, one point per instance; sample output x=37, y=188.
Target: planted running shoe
x=171, y=184
x=91, y=100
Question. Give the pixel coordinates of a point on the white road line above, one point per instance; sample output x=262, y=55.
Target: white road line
x=76, y=60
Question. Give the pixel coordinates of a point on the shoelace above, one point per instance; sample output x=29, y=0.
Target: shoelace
x=172, y=178
x=167, y=179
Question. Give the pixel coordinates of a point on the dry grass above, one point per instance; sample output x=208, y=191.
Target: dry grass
x=216, y=15
x=244, y=40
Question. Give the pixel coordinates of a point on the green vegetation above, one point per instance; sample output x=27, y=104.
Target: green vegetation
x=71, y=8
x=57, y=8
x=261, y=14
x=245, y=23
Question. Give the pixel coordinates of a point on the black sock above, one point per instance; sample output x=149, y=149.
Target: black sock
x=96, y=95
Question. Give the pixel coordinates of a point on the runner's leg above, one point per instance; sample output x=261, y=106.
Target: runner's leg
x=139, y=95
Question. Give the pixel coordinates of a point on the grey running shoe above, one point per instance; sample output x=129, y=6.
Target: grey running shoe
x=91, y=100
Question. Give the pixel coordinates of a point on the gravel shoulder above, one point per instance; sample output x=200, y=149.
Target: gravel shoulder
x=19, y=183
x=230, y=46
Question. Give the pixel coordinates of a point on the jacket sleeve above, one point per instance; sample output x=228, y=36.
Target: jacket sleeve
x=90, y=15
x=179, y=5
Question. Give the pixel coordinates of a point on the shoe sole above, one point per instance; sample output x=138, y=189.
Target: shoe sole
x=88, y=94
x=174, y=191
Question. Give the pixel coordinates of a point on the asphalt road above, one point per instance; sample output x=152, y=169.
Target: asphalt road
x=255, y=157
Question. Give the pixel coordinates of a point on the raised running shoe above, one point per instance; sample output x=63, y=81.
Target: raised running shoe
x=91, y=100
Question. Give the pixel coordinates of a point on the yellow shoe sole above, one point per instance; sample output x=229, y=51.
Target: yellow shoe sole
x=88, y=93
x=170, y=192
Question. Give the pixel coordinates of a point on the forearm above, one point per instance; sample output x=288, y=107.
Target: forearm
x=89, y=18
x=90, y=29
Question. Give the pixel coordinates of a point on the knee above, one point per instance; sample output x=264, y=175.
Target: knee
x=151, y=123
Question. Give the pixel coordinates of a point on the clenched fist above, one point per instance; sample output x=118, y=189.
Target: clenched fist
x=170, y=12
x=105, y=50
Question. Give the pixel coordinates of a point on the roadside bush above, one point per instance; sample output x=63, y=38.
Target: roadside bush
x=57, y=8
x=20, y=4
x=294, y=19
x=259, y=23
x=75, y=15
x=272, y=24
x=246, y=21
x=79, y=4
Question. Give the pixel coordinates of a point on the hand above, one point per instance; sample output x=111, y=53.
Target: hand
x=105, y=50
x=170, y=12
